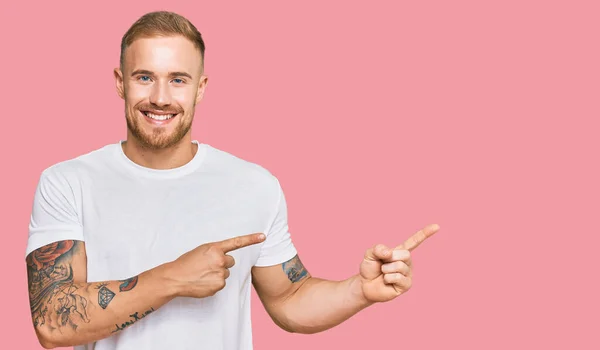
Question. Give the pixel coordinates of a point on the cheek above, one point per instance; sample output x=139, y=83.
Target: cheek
x=184, y=98
x=135, y=95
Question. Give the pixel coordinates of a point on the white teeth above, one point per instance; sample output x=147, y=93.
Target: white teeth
x=159, y=117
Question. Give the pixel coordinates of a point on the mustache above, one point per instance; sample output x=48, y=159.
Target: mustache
x=151, y=108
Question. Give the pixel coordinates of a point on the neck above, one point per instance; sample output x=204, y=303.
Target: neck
x=174, y=156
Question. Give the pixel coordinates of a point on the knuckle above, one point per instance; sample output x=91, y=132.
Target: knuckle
x=217, y=261
x=221, y=284
x=405, y=281
x=237, y=242
x=212, y=249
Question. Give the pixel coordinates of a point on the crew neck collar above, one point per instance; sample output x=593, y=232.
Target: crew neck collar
x=183, y=170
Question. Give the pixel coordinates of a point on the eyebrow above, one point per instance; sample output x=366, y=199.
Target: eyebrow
x=171, y=74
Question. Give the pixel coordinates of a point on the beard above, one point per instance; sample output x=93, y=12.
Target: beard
x=158, y=138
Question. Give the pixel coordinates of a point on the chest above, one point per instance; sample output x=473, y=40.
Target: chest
x=132, y=227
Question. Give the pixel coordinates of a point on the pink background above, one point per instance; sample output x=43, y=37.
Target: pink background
x=378, y=118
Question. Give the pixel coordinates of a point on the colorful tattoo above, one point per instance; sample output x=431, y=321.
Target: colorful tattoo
x=294, y=269
x=54, y=299
x=128, y=284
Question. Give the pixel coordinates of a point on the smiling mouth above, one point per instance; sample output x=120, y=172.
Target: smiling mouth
x=159, y=117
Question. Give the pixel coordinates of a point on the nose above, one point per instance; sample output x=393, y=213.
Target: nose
x=160, y=95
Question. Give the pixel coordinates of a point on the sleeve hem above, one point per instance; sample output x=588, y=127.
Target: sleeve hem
x=277, y=259
x=40, y=239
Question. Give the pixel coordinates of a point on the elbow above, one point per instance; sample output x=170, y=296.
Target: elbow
x=283, y=325
x=307, y=330
x=47, y=345
x=48, y=340
x=45, y=341
x=283, y=322
x=301, y=329
x=289, y=325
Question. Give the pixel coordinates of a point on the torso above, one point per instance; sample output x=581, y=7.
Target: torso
x=134, y=221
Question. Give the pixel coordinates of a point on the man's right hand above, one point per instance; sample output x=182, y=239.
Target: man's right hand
x=202, y=272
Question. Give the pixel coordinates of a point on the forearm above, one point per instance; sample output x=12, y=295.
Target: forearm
x=67, y=313
x=322, y=304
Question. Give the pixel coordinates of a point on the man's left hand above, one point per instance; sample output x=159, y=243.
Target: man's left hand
x=387, y=273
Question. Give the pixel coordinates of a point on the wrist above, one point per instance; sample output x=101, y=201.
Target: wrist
x=357, y=295
x=161, y=277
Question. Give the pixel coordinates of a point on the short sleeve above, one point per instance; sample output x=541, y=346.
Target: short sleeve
x=53, y=216
x=278, y=247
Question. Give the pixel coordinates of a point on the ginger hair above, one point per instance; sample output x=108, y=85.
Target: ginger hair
x=165, y=24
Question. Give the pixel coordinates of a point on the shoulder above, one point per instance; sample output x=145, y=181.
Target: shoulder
x=71, y=169
x=240, y=170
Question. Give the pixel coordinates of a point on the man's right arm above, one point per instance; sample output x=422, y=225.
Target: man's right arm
x=68, y=311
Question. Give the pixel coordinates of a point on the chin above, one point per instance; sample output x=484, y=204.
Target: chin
x=157, y=137
x=156, y=142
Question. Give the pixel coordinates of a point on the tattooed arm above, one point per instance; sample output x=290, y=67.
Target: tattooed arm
x=67, y=311
x=300, y=303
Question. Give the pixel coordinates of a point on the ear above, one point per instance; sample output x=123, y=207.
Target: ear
x=201, y=88
x=119, y=81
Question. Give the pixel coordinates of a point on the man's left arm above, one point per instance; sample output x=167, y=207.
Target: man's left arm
x=300, y=303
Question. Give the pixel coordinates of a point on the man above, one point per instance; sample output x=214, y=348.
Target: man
x=155, y=242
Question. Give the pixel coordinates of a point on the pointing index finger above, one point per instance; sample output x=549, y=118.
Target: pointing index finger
x=419, y=237
x=240, y=242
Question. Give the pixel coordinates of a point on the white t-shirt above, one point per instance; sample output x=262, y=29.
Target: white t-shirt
x=133, y=218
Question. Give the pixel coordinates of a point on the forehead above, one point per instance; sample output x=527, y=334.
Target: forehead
x=163, y=55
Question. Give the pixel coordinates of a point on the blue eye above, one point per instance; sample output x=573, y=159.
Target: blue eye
x=144, y=76
x=179, y=80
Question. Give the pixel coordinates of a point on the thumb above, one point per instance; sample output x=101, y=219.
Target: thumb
x=379, y=252
x=370, y=268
